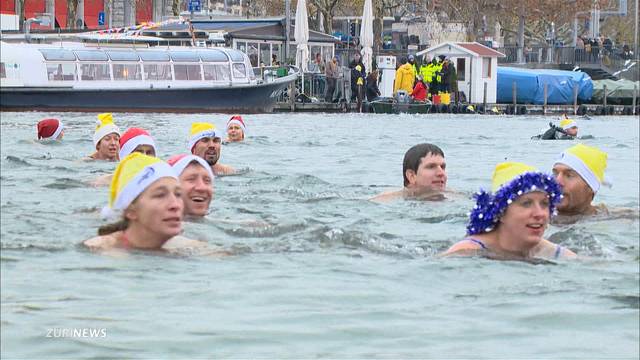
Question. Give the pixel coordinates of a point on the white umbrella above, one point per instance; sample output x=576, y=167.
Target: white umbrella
x=366, y=35
x=301, y=35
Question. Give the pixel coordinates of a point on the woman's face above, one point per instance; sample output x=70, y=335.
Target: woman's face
x=526, y=218
x=145, y=149
x=197, y=192
x=108, y=147
x=159, y=209
x=235, y=132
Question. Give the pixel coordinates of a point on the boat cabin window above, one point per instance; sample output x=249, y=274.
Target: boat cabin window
x=123, y=56
x=127, y=72
x=157, y=71
x=216, y=72
x=58, y=54
x=184, y=56
x=236, y=55
x=213, y=56
x=91, y=55
x=239, y=71
x=3, y=72
x=61, y=71
x=95, y=72
x=154, y=55
x=187, y=72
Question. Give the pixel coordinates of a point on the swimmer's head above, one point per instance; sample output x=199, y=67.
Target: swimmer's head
x=196, y=179
x=236, y=128
x=205, y=142
x=424, y=167
x=137, y=140
x=569, y=126
x=50, y=129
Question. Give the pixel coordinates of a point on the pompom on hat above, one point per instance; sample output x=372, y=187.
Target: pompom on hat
x=510, y=181
x=104, y=128
x=237, y=119
x=134, y=174
x=134, y=137
x=181, y=161
x=201, y=130
x=568, y=124
x=588, y=161
x=49, y=128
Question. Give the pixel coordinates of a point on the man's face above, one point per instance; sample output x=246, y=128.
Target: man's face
x=197, y=187
x=108, y=147
x=431, y=174
x=577, y=194
x=145, y=149
x=209, y=149
x=573, y=131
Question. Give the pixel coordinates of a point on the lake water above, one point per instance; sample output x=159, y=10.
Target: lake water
x=318, y=271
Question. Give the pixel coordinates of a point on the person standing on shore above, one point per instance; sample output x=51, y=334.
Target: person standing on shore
x=331, y=72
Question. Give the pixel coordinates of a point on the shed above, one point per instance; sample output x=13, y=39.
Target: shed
x=475, y=65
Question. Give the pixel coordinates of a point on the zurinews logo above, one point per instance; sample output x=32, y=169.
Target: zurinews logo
x=76, y=333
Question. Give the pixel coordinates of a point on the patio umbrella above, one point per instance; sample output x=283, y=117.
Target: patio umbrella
x=366, y=35
x=301, y=35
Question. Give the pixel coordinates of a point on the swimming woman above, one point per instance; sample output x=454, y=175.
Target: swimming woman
x=235, y=129
x=510, y=222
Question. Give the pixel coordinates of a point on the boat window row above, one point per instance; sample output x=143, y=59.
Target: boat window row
x=204, y=55
x=66, y=71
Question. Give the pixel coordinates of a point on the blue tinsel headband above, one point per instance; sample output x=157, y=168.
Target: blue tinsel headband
x=489, y=208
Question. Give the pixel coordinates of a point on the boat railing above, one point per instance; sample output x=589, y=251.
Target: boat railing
x=267, y=74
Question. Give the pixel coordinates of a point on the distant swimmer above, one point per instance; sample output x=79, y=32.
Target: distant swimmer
x=568, y=130
x=425, y=175
x=509, y=222
x=146, y=197
x=580, y=171
x=50, y=129
x=196, y=180
x=205, y=142
x=106, y=139
x=236, y=129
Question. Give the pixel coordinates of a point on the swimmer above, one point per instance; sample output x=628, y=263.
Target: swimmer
x=580, y=171
x=568, y=130
x=137, y=140
x=106, y=139
x=133, y=140
x=196, y=180
x=205, y=142
x=235, y=129
x=425, y=175
x=509, y=223
x=50, y=129
x=147, y=197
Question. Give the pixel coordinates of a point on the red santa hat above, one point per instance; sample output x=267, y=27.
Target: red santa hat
x=49, y=128
x=237, y=119
x=132, y=138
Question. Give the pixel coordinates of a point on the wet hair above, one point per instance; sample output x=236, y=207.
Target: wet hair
x=107, y=229
x=413, y=157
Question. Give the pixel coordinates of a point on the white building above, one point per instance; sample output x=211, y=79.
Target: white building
x=475, y=64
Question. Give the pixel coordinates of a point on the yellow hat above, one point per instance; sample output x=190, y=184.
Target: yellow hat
x=588, y=161
x=133, y=175
x=568, y=124
x=200, y=130
x=506, y=171
x=105, y=126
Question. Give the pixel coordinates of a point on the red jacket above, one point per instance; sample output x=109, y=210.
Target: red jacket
x=419, y=92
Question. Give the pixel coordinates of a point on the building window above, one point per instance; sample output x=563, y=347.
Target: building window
x=61, y=72
x=265, y=54
x=252, y=51
x=461, y=67
x=157, y=71
x=486, y=67
x=187, y=72
x=94, y=72
x=216, y=72
x=3, y=72
x=239, y=71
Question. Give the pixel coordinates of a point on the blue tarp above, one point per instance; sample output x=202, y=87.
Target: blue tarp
x=530, y=85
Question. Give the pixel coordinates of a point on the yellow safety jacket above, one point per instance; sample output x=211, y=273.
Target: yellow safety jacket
x=438, y=71
x=427, y=73
x=404, y=79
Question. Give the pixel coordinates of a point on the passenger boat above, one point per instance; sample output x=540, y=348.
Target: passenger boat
x=76, y=76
